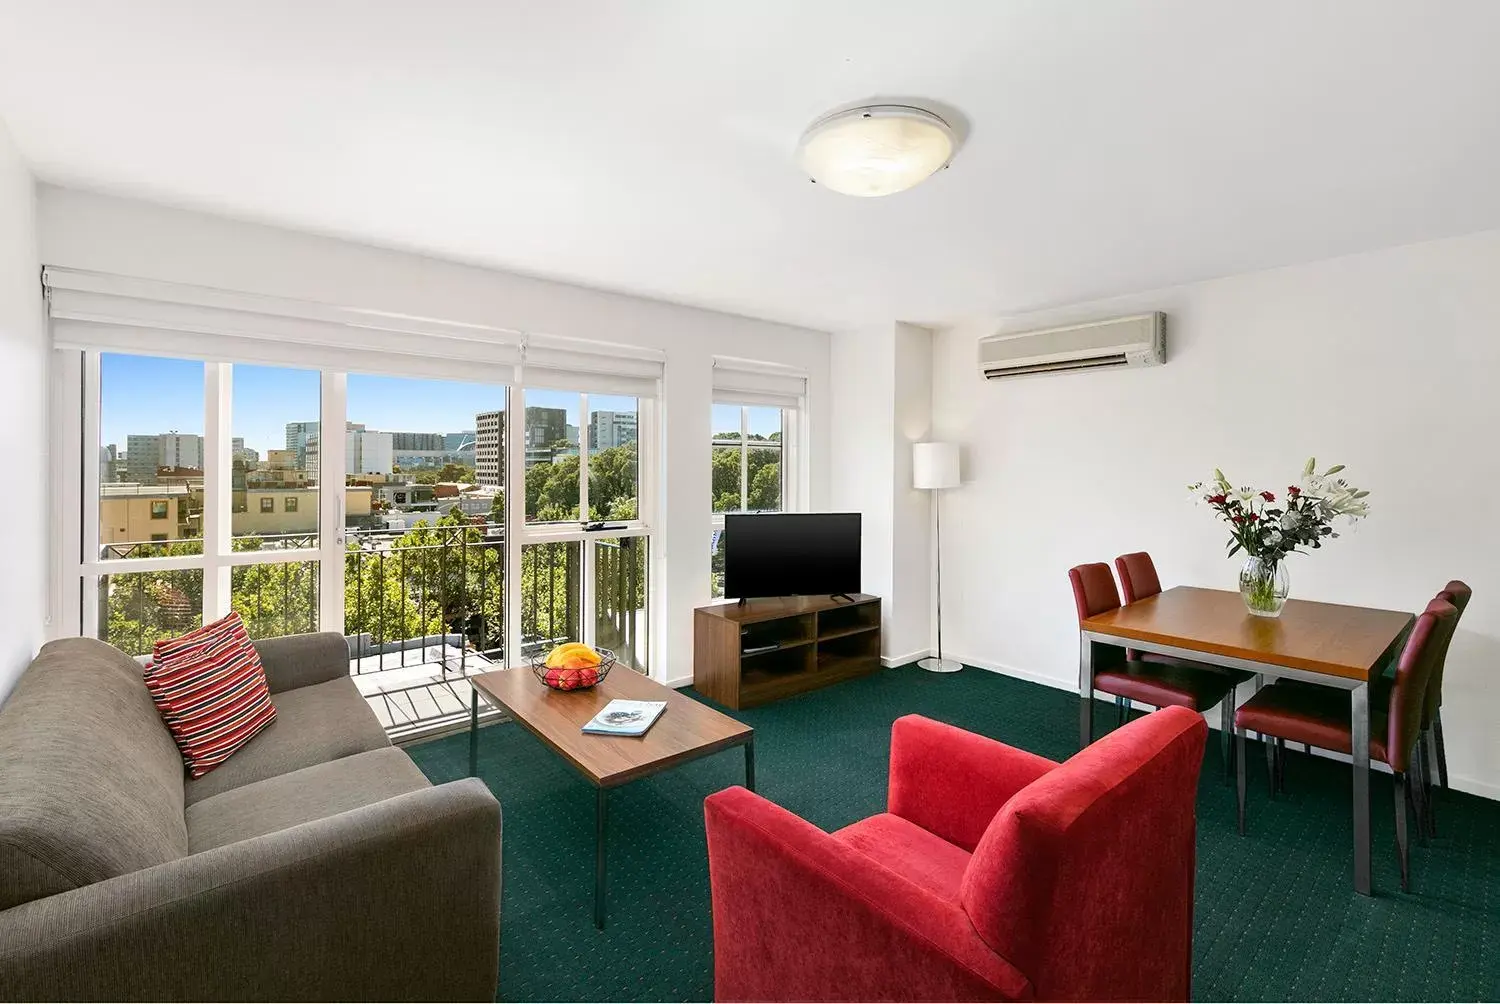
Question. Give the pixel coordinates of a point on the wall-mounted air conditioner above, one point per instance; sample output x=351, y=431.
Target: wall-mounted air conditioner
x=1139, y=340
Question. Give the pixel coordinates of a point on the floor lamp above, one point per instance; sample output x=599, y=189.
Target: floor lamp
x=934, y=466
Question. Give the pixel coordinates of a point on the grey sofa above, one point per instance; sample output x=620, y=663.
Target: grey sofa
x=316, y=863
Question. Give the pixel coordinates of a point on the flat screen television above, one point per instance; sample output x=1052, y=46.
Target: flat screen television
x=791, y=554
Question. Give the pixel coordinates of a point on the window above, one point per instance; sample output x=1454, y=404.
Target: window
x=394, y=526
x=749, y=470
x=586, y=528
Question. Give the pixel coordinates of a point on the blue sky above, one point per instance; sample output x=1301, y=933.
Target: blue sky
x=143, y=395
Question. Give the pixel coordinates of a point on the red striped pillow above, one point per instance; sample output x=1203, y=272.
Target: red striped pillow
x=211, y=691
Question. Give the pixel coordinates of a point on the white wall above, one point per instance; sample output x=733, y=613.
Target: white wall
x=88, y=231
x=23, y=377
x=1386, y=362
x=882, y=403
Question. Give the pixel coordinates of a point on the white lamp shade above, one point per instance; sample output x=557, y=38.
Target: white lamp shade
x=934, y=465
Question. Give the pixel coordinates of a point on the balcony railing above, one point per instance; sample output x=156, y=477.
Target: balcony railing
x=424, y=608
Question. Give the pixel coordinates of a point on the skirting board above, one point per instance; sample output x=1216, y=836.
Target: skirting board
x=1459, y=782
x=889, y=661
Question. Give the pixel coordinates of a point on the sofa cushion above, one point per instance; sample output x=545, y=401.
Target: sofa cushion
x=313, y=725
x=302, y=796
x=915, y=854
x=91, y=784
x=211, y=691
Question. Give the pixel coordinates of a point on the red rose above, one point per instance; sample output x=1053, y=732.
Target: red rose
x=1216, y=499
x=1252, y=517
x=1293, y=491
x=1238, y=519
x=1268, y=496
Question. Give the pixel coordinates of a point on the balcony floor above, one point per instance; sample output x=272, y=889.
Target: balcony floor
x=421, y=692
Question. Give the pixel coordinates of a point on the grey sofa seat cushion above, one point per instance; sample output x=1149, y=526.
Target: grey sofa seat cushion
x=91, y=783
x=302, y=796
x=313, y=725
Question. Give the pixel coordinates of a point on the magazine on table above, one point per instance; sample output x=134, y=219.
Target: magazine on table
x=625, y=718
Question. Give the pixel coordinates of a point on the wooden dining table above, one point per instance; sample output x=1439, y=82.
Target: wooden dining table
x=1324, y=643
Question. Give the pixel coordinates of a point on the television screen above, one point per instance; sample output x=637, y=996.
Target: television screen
x=791, y=554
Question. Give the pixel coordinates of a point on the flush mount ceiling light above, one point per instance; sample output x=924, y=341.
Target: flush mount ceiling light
x=876, y=149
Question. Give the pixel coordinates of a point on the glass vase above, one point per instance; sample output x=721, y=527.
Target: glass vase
x=1264, y=586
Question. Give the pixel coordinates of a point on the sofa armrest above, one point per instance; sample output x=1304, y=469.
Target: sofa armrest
x=399, y=900
x=951, y=782
x=800, y=916
x=301, y=660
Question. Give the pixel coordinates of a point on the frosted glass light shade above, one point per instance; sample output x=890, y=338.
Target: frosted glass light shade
x=877, y=150
x=934, y=465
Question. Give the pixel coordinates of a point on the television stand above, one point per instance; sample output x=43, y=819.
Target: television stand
x=844, y=596
x=761, y=650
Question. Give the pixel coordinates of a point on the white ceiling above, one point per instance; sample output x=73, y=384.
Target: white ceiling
x=646, y=145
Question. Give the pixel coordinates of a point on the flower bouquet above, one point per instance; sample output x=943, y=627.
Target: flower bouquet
x=1268, y=530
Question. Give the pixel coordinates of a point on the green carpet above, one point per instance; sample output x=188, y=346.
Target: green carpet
x=1277, y=918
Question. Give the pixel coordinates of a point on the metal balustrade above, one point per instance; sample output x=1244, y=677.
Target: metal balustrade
x=424, y=608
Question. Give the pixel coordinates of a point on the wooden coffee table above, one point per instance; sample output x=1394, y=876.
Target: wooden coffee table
x=685, y=731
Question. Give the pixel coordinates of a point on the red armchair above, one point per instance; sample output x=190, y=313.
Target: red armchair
x=993, y=874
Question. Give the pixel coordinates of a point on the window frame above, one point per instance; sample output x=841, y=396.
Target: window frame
x=791, y=496
x=525, y=532
x=77, y=396
x=166, y=509
x=78, y=569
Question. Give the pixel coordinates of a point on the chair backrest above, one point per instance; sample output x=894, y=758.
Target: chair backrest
x=1137, y=576
x=1093, y=589
x=1458, y=594
x=1084, y=880
x=1419, y=660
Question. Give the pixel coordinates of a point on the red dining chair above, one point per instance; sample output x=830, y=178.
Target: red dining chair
x=1457, y=593
x=1138, y=580
x=1320, y=717
x=1156, y=684
x=1434, y=755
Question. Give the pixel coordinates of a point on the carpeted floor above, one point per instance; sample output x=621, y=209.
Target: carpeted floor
x=1277, y=918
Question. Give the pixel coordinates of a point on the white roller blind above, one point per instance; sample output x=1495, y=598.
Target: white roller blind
x=596, y=367
x=97, y=311
x=739, y=381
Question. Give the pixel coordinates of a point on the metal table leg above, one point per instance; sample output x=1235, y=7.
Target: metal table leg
x=1085, y=692
x=750, y=763
x=1359, y=707
x=473, y=731
x=601, y=809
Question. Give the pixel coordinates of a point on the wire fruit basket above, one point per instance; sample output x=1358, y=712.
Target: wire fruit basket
x=572, y=678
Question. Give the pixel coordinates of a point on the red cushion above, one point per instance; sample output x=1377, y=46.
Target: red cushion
x=1318, y=716
x=211, y=692
x=910, y=851
x=1163, y=685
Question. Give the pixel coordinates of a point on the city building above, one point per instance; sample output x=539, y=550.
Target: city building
x=134, y=514
x=297, y=435
x=608, y=429
x=404, y=496
x=279, y=470
x=457, y=442
x=547, y=427
x=489, y=448
x=239, y=451
x=146, y=454
x=272, y=511
x=365, y=451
